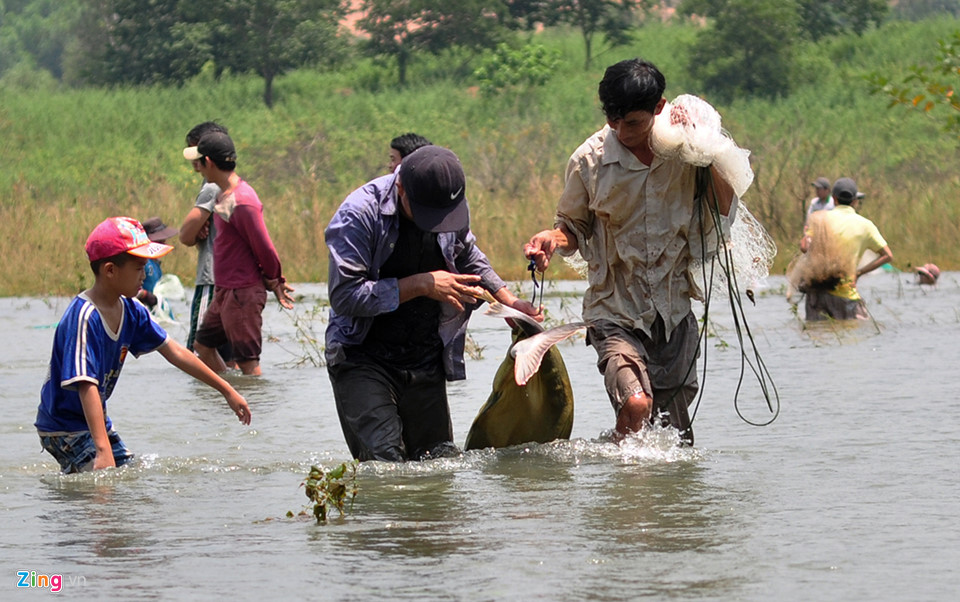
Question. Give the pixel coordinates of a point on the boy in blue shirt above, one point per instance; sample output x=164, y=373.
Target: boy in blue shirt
x=97, y=331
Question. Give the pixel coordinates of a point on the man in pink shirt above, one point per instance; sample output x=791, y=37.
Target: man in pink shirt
x=245, y=262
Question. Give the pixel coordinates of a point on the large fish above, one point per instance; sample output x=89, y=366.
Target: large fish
x=532, y=400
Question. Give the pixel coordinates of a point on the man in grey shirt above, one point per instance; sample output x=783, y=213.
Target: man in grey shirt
x=198, y=230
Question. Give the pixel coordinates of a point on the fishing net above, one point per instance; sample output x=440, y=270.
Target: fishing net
x=750, y=251
x=825, y=264
x=689, y=129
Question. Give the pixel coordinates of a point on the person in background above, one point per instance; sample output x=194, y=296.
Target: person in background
x=403, y=145
x=636, y=220
x=246, y=264
x=928, y=273
x=839, y=238
x=405, y=274
x=822, y=201
x=198, y=230
x=159, y=232
x=100, y=327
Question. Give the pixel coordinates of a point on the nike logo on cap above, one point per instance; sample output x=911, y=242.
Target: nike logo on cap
x=454, y=195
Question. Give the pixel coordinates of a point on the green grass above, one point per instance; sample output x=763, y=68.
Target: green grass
x=70, y=158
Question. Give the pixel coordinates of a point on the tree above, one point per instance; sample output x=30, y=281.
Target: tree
x=822, y=18
x=271, y=37
x=914, y=10
x=746, y=50
x=37, y=32
x=524, y=14
x=928, y=87
x=611, y=20
x=169, y=41
x=399, y=29
x=142, y=42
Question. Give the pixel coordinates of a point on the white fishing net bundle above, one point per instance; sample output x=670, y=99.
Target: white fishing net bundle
x=689, y=129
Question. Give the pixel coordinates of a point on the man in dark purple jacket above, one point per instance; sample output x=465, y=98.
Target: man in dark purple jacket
x=405, y=273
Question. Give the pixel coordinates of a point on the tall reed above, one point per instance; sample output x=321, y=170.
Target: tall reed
x=70, y=158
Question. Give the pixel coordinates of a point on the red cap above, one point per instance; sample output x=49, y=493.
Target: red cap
x=116, y=235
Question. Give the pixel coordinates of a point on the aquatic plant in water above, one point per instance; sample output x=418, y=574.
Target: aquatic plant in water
x=309, y=335
x=331, y=489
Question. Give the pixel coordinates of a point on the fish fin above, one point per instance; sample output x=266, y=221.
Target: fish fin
x=499, y=310
x=529, y=352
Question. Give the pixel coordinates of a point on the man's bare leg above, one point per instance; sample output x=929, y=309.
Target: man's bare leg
x=250, y=367
x=634, y=414
x=211, y=357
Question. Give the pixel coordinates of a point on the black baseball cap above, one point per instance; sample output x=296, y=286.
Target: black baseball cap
x=433, y=179
x=845, y=189
x=216, y=145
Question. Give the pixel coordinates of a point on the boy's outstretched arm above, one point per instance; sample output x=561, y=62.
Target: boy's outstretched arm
x=97, y=423
x=183, y=358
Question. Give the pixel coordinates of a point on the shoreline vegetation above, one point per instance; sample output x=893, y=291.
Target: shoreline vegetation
x=72, y=157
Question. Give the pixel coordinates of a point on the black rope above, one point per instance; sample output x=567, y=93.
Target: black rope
x=724, y=258
x=532, y=268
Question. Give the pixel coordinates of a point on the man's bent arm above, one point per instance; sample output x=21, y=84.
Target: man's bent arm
x=886, y=256
x=192, y=225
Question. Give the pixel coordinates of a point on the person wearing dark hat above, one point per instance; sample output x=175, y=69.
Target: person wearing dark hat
x=835, y=242
x=245, y=263
x=157, y=231
x=822, y=201
x=405, y=274
x=198, y=230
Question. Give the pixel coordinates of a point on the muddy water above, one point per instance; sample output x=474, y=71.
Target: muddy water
x=852, y=493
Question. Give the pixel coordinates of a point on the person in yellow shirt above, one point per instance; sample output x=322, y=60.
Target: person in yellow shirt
x=835, y=241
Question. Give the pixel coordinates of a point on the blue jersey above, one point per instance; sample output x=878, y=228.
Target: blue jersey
x=85, y=350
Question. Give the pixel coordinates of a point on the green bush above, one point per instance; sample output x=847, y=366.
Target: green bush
x=508, y=68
